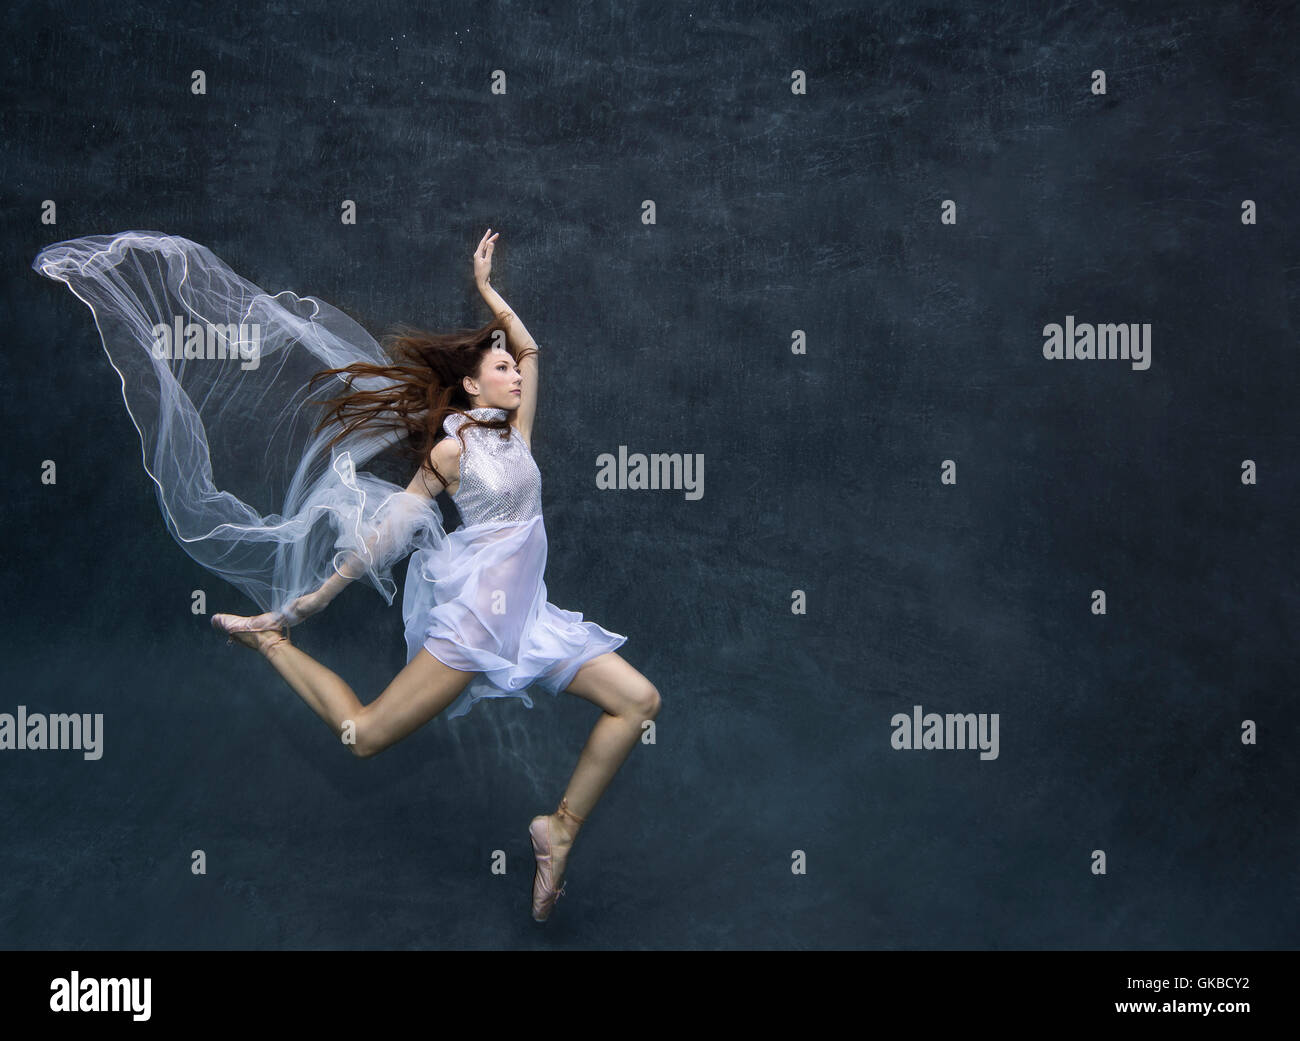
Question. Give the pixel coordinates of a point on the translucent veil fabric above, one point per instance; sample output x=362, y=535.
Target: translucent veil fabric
x=214, y=372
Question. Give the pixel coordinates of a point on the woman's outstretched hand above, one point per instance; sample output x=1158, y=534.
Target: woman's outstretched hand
x=483, y=257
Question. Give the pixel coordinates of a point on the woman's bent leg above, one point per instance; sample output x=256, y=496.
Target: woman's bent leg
x=418, y=693
x=629, y=699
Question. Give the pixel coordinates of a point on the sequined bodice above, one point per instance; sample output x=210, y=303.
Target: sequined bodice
x=499, y=481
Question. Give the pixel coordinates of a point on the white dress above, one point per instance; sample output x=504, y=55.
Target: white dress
x=217, y=375
x=477, y=601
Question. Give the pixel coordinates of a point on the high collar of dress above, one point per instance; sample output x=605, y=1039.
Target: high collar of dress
x=486, y=413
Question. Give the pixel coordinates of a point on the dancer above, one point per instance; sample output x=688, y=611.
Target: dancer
x=478, y=622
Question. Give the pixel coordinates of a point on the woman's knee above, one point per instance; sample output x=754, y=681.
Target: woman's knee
x=644, y=699
x=418, y=693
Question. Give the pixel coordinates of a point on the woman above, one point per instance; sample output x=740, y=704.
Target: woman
x=478, y=623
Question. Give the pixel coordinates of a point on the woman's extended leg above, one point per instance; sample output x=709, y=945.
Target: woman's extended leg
x=629, y=699
x=418, y=693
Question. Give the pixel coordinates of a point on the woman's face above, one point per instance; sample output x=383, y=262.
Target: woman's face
x=499, y=381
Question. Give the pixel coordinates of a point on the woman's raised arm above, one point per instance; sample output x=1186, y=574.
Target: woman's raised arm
x=516, y=333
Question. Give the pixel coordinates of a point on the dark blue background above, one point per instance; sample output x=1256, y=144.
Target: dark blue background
x=775, y=212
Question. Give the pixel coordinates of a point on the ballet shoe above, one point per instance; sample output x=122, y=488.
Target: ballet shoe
x=544, y=892
x=233, y=625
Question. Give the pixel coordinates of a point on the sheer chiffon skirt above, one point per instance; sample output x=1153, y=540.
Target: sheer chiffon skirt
x=477, y=602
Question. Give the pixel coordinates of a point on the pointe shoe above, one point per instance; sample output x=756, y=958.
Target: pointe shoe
x=544, y=892
x=232, y=625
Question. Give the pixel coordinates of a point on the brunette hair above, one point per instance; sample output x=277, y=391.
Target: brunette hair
x=422, y=386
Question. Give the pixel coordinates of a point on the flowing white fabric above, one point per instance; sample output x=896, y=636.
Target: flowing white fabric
x=225, y=417
x=478, y=601
x=214, y=373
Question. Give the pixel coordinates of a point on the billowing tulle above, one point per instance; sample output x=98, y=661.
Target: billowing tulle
x=225, y=419
x=245, y=487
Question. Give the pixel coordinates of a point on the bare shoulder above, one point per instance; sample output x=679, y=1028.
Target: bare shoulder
x=446, y=453
x=446, y=457
x=448, y=449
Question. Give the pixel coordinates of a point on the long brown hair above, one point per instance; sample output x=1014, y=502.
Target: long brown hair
x=422, y=386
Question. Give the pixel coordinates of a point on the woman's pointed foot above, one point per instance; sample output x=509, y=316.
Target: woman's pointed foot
x=552, y=836
x=256, y=631
x=548, y=881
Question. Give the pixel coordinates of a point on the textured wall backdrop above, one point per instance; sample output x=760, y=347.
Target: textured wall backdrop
x=815, y=244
